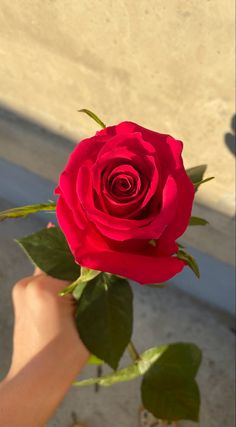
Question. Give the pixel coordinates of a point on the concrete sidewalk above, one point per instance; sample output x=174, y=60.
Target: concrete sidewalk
x=161, y=316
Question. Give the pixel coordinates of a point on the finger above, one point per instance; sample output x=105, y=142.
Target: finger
x=37, y=271
x=45, y=282
x=19, y=288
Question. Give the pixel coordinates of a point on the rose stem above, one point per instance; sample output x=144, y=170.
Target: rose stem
x=133, y=352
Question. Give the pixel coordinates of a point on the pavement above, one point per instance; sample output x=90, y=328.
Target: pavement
x=161, y=316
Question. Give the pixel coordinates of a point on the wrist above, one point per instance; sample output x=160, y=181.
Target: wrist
x=50, y=373
x=64, y=352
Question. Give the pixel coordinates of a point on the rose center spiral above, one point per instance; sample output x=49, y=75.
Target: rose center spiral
x=122, y=185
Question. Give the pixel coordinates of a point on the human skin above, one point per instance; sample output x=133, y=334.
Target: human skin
x=47, y=352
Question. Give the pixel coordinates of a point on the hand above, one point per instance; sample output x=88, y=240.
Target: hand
x=47, y=352
x=42, y=317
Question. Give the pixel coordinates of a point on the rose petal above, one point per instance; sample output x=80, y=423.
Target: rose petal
x=68, y=224
x=186, y=194
x=123, y=229
x=92, y=251
x=138, y=267
x=89, y=202
x=167, y=148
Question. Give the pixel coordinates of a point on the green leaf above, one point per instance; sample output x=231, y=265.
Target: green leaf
x=105, y=317
x=184, y=256
x=93, y=116
x=194, y=220
x=48, y=249
x=169, y=390
x=27, y=210
x=129, y=373
x=184, y=356
x=196, y=173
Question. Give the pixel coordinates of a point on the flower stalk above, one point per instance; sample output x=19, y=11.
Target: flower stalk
x=133, y=351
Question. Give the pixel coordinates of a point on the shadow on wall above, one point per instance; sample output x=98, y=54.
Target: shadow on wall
x=31, y=156
x=27, y=144
x=230, y=137
x=18, y=120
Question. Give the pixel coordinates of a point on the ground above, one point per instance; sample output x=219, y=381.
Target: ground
x=161, y=316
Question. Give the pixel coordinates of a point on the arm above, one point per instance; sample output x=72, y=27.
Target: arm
x=47, y=353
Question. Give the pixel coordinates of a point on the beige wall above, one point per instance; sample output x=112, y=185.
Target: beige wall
x=166, y=64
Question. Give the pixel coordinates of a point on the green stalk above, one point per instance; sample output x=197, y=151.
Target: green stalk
x=133, y=351
x=69, y=289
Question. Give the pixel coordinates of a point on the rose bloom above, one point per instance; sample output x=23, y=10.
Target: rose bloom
x=124, y=199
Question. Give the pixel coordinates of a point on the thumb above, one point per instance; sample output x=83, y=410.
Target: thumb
x=38, y=272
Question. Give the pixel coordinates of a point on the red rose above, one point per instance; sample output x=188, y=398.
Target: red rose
x=120, y=189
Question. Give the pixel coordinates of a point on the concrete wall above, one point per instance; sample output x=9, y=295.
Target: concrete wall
x=169, y=65
x=165, y=64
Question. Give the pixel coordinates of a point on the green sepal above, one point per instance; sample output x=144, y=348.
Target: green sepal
x=93, y=116
x=77, y=287
x=195, y=220
x=197, y=184
x=189, y=259
x=24, y=211
x=196, y=173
